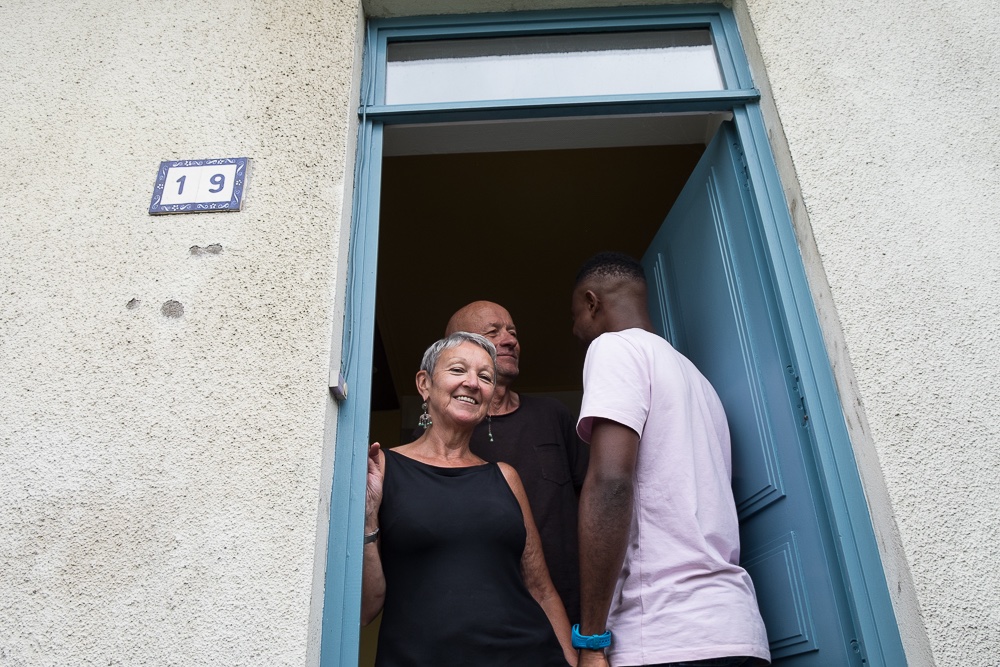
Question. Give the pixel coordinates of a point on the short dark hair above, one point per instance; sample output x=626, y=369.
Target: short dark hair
x=611, y=265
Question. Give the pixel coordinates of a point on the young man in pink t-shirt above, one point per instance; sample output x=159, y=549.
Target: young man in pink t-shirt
x=659, y=537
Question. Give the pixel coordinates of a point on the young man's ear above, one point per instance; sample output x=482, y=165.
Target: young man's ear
x=593, y=302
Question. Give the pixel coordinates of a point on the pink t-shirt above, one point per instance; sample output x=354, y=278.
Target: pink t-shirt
x=681, y=594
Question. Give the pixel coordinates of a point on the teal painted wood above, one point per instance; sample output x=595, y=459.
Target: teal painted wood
x=570, y=21
x=732, y=57
x=533, y=22
x=342, y=595
x=598, y=105
x=856, y=547
x=711, y=289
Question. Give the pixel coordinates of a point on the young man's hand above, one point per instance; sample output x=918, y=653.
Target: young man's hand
x=592, y=659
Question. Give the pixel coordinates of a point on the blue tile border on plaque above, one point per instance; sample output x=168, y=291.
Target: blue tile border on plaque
x=156, y=207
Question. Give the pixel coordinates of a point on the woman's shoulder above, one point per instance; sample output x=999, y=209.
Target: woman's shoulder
x=400, y=450
x=414, y=452
x=507, y=469
x=403, y=454
x=509, y=474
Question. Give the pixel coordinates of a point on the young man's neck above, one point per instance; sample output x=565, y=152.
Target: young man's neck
x=630, y=319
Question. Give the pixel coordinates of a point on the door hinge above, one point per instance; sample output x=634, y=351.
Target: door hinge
x=738, y=150
x=858, y=651
x=798, y=392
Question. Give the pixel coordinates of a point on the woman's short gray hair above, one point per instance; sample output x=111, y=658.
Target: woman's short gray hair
x=433, y=353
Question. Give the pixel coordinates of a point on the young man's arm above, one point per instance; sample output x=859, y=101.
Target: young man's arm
x=605, y=517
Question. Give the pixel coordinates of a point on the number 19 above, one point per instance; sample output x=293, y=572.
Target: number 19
x=218, y=180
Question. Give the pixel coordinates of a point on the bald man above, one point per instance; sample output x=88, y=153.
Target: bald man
x=537, y=436
x=659, y=537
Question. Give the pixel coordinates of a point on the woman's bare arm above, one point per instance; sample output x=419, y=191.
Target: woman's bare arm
x=536, y=574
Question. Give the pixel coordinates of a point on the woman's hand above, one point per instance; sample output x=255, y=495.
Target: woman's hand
x=373, y=486
x=372, y=577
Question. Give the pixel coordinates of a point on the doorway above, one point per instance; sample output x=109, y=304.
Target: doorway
x=522, y=160
x=511, y=227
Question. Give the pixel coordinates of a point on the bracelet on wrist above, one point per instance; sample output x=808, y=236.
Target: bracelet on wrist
x=590, y=642
x=371, y=537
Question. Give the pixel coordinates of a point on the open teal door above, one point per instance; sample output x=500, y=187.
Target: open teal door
x=713, y=297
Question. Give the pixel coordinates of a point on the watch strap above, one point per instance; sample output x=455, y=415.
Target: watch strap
x=592, y=642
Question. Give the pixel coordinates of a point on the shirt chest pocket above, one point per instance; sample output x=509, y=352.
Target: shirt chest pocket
x=552, y=462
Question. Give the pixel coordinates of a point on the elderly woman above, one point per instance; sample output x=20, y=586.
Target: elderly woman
x=451, y=551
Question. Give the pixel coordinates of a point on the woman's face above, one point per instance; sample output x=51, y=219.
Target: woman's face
x=461, y=386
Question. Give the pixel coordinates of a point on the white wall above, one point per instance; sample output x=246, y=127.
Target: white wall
x=162, y=484
x=889, y=111
x=164, y=477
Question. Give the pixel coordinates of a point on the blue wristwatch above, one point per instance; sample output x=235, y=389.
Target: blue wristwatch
x=592, y=642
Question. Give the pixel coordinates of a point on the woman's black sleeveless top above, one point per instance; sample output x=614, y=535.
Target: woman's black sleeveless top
x=451, y=545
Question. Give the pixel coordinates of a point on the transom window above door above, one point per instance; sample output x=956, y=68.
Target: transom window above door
x=551, y=65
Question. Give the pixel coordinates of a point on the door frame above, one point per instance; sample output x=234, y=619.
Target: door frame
x=857, y=550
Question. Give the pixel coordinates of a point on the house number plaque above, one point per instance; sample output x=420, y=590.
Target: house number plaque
x=199, y=186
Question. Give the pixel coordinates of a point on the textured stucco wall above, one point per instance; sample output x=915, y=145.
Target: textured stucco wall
x=890, y=111
x=164, y=477
x=162, y=474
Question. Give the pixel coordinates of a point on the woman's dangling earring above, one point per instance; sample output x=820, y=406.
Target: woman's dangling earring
x=489, y=426
x=425, y=421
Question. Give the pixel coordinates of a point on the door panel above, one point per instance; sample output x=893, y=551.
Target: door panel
x=711, y=295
